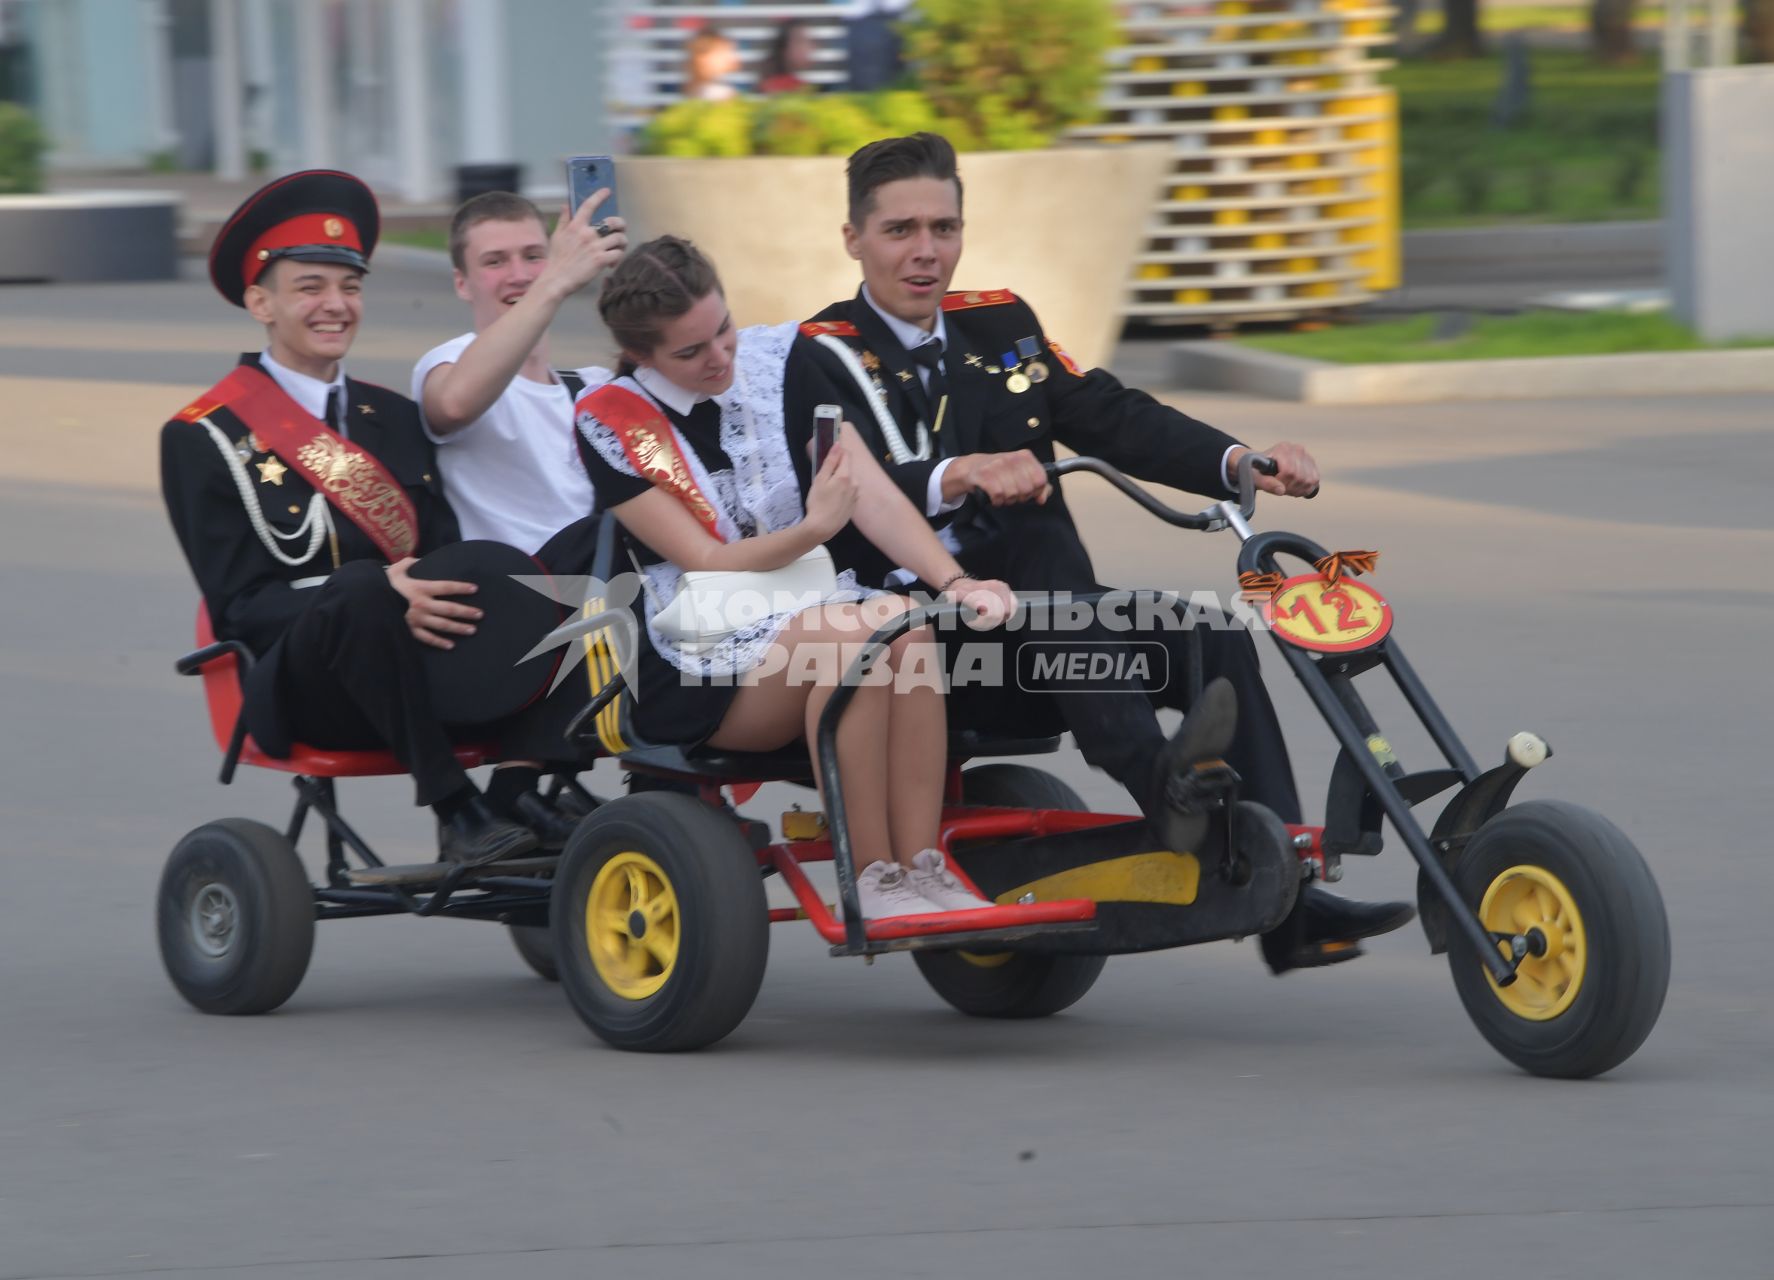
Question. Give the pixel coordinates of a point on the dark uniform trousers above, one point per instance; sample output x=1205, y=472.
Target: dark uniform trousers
x=1112, y=722
x=350, y=678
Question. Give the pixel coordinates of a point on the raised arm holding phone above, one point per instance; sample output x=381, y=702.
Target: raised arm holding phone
x=515, y=279
x=502, y=418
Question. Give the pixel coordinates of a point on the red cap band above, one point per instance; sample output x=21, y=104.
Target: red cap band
x=303, y=230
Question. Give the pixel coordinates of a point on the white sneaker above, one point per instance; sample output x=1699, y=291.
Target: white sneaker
x=883, y=890
x=932, y=880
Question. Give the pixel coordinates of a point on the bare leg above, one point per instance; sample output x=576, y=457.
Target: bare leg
x=917, y=745
x=785, y=705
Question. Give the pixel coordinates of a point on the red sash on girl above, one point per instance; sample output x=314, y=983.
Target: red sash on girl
x=651, y=446
x=350, y=477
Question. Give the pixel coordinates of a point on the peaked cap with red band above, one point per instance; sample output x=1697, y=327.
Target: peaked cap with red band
x=317, y=215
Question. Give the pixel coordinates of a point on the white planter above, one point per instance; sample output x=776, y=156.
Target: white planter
x=1060, y=228
x=90, y=236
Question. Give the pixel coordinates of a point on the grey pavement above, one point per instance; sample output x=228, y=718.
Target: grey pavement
x=423, y=1106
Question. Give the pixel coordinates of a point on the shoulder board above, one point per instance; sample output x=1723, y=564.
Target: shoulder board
x=836, y=328
x=207, y=403
x=198, y=409
x=977, y=298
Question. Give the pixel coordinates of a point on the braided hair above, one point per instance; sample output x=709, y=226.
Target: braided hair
x=653, y=284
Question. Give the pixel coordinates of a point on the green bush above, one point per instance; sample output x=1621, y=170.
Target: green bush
x=694, y=128
x=806, y=124
x=796, y=124
x=1587, y=149
x=991, y=75
x=21, y=151
x=1017, y=73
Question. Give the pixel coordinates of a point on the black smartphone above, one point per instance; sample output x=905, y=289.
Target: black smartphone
x=587, y=175
x=825, y=431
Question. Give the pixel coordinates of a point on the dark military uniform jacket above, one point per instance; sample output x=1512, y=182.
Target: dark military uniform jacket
x=252, y=593
x=991, y=409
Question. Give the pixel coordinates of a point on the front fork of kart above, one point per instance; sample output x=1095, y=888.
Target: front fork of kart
x=1368, y=782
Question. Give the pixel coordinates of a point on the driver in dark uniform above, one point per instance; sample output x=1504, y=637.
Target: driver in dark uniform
x=963, y=396
x=302, y=496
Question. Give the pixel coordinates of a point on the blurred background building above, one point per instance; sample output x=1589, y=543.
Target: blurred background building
x=400, y=91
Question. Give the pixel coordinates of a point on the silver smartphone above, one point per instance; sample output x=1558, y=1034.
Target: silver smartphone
x=586, y=175
x=825, y=431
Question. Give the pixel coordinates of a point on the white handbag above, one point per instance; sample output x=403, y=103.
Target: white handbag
x=712, y=604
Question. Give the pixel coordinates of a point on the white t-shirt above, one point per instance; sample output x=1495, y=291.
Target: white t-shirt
x=513, y=474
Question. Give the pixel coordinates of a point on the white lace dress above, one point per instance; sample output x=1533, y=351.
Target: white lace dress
x=748, y=478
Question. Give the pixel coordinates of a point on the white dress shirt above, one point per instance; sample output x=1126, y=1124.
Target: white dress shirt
x=310, y=393
x=909, y=336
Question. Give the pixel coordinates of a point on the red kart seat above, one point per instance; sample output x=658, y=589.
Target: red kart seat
x=221, y=689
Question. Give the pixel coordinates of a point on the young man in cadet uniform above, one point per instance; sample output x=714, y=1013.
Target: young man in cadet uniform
x=963, y=395
x=502, y=417
x=302, y=496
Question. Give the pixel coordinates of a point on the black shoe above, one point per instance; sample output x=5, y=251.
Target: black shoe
x=1324, y=929
x=475, y=835
x=1189, y=778
x=551, y=827
x=569, y=802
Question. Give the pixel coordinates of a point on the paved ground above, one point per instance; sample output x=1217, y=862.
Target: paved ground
x=425, y=1107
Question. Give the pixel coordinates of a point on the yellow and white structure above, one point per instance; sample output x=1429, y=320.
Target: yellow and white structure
x=1282, y=197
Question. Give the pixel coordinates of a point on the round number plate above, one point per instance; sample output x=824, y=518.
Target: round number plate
x=1308, y=613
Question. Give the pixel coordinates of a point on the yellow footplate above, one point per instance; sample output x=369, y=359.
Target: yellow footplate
x=799, y=824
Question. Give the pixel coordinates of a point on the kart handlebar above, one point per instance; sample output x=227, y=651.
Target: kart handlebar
x=1209, y=520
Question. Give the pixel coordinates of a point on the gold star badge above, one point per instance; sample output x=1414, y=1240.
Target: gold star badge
x=365, y=409
x=271, y=471
x=905, y=375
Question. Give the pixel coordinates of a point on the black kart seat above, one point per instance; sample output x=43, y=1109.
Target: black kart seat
x=790, y=765
x=972, y=744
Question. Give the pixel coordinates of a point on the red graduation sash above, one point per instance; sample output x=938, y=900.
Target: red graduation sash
x=352, y=480
x=651, y=446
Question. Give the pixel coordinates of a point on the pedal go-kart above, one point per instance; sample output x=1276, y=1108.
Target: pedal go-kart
x=655, y=920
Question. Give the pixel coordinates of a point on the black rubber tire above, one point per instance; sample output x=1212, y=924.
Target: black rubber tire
x=258, y=880
x=1626, y=973
x=535, y=943
x=1016, y=984
x=723, y=922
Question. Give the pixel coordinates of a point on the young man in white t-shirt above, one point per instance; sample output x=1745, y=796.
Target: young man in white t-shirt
x=501, y=417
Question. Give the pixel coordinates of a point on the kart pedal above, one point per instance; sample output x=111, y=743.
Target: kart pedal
x=1309, y=955
x=414, y=875
x=1205, y=786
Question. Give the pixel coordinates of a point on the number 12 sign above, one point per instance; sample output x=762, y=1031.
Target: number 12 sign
x=1311, y=614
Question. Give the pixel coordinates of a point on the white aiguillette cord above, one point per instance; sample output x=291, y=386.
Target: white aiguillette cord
x=315, y=524
x=896, y=444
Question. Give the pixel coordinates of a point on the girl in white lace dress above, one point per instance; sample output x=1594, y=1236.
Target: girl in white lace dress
x=723, y=394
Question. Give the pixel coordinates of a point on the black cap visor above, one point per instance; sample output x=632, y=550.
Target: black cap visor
x=338, y=254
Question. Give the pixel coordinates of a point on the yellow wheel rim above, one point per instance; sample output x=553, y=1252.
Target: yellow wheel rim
x=631, y=926
x=1525, y=898
x=985, y=959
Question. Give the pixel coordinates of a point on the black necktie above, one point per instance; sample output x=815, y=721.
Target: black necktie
x=335, y=410
x=929, y=356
